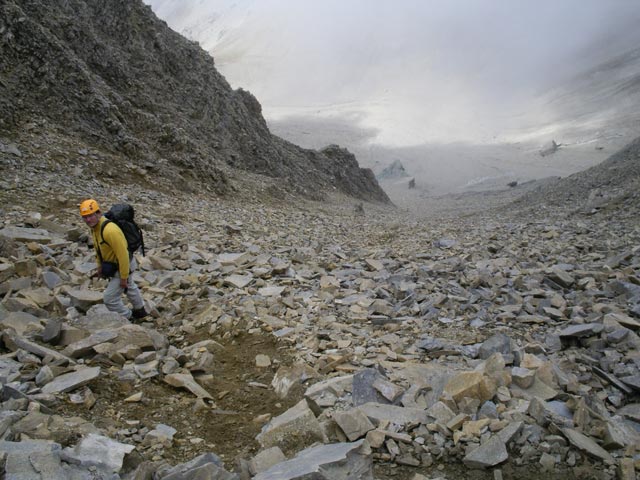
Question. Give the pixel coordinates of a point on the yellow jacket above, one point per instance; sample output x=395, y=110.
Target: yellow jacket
x=112, y=247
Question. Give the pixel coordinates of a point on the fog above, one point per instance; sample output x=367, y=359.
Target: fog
x=406, y=73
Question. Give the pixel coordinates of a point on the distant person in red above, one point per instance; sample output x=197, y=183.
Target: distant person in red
x=114, y=262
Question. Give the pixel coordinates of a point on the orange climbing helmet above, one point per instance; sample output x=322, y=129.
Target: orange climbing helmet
x=88, y=207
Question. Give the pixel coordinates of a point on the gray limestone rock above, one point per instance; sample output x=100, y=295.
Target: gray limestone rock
x=631, y=411
x=488, y=454
x=440, y=412
x=561, y=277
x=354, y=423
x=324, y=462
x=294, y=429
x=83, y=347
x=500, y=343
x=327, y=392
x=51, y=279
x=584, y=330
x=161, y=435
x=205, y=466
x=538, y=389
x=398, y=415
x=52, y=331
x=510, y=431
x=586, y=444
x=238, y=281
x=9, y=370
x=22, y=323
x=363, y=387
x=32, y=458
x=632, y=381
x=98, y=451
x=72, y=380
x=84, y=299
x=286, y=377
x=266, y=459
x=523, y=377
x=20, y=234
x=15, y=342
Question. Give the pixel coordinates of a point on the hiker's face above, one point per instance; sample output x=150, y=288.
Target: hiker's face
x=92, y=219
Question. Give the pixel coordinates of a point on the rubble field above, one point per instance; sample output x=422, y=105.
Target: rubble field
x=320, y=340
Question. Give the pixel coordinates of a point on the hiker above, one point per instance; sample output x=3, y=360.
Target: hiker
x=114, y=262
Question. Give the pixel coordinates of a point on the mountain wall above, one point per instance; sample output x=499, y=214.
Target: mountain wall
x=111, y=74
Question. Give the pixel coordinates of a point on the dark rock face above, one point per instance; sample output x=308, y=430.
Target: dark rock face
x=114, y=76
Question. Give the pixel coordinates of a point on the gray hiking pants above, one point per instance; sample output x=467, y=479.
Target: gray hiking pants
x=113, y=293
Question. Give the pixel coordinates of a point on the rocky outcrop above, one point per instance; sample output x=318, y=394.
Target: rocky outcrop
x=393, y=171
x=115, y=77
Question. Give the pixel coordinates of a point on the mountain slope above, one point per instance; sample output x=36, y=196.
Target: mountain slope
x=611, y=186
x=114, y=76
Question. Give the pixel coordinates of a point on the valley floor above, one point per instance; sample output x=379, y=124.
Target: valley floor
x=341, y=289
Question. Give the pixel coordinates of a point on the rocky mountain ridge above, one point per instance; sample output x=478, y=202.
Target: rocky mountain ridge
x=110, y=76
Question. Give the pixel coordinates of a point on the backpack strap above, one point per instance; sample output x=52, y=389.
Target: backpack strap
x=141, y=238
x=104, y=224
x=102, y=240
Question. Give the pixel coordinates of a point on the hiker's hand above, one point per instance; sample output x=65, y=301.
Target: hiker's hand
x=98, y=273
x=123, y=283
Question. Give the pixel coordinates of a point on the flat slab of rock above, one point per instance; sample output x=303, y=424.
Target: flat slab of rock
x=84, y=346
x=99, y=451
x=327, y=392
x=234, y=258
x=324, y=462
x=21, y=322
x=15, y=342
x=295, y=428
x=374, y=264
x=72, y=380
x=20, y=234
x=624, y=320
x=561, y=277
x=490, y=453
x=584, y=330
x=84, y=299
x=354, y=423
x=26, y=459
x=538, y=389
x=394, y=414
x=271, y=291
x=631, y=411
x=586, y=444
x=633, y=382
x=206, y=466
x=238, y=281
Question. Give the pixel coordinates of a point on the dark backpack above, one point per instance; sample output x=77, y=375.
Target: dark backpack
x=122, y=215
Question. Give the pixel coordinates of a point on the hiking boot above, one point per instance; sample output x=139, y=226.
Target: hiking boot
x=138, y=313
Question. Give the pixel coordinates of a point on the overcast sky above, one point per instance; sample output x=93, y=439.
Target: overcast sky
x=416, y=71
